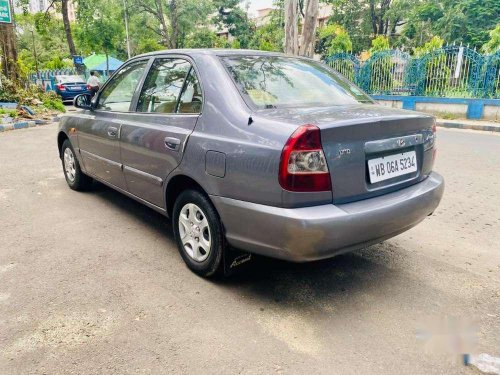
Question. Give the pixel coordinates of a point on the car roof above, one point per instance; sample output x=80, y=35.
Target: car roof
x=213, y=52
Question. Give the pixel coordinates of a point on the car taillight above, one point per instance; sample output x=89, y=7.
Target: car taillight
x=303, y=164
x=61, y=87
x=89, y=87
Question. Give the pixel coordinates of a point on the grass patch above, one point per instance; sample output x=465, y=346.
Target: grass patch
x=10, y=112
x=448, y=116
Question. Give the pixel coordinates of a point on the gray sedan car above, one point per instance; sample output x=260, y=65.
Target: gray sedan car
x=260, y=152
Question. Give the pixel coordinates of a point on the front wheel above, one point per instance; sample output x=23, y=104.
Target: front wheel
x=75, y=178
x=198, y=233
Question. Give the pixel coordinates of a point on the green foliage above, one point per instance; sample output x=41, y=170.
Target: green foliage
x=493, y=45
x=333, y=39
x=31, y=95
x=51, y=100
x=100, y=30
x=343, y=14
x=456, y=21
x=380, y=43
x=435, y=43
x=201, y=38
x=231, y=16
x=45, y=35
x=438, y=75
x=270, y=36
x=221, y=42
x=235, y=44
x=9, y=112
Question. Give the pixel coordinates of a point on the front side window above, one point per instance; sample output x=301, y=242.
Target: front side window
x=163, y=86
x=274, y=81
x=118, y=94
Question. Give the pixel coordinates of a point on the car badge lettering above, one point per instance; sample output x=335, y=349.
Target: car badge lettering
x=401, y=142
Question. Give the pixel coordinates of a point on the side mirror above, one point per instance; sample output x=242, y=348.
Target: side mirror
x=83, y=101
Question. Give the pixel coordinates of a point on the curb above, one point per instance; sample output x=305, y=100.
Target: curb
x=22, y=125
x=458, y=125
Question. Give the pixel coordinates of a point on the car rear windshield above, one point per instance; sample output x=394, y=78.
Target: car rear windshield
x=70, y=79
x=275, y=81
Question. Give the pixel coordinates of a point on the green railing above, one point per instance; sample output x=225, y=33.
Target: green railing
x=451, y=71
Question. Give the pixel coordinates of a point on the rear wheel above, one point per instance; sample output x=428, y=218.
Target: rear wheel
x=74, y=176
x=198, y=233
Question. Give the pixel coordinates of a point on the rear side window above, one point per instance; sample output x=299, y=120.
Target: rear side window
x=191, y=97
x=164, y=85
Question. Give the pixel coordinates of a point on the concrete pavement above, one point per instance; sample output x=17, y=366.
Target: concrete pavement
x=92, y=283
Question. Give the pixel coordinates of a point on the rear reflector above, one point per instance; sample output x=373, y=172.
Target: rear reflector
x=303, y=164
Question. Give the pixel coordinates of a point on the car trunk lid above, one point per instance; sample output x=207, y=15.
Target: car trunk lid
x=358, y=137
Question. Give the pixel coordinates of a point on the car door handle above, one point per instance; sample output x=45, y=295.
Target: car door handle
x=112, y=132
x=172, y=143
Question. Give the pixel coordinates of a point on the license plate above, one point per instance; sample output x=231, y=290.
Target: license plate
x=75, y=88
x=392, y=166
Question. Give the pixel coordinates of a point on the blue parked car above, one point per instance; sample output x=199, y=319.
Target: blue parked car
x=69, y=86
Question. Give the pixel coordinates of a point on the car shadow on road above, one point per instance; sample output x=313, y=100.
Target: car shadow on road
x=271, y=280
x=146, y=215
x=274, y=280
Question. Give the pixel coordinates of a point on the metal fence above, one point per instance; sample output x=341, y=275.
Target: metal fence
x=46, y=78
x=451, y=71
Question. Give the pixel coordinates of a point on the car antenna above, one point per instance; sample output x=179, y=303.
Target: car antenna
x=250, y=120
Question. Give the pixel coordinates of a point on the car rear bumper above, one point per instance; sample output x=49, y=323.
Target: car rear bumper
x=67, y=96
x=312, y=233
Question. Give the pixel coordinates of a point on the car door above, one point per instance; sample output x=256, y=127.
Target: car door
x=153, y=139
x=99, y=135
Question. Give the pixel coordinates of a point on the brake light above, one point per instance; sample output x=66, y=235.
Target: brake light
x=89, y=87
x=61, y=87
x=303, y=164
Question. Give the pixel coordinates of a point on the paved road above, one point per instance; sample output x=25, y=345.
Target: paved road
x=92, y=283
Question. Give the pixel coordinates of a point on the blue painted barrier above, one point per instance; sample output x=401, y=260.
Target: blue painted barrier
x=475, y=107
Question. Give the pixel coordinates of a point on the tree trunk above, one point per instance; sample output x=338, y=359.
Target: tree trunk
x=291, y=27
x=173, y=23
x=163, y=24
x=308, y=36
x=67, y=27
x=107, y=65
x=9, y=51
x=373, y=16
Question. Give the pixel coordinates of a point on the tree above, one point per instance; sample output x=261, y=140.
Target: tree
x=10, y=67
x=100, y=30
x=380, y=43
x=173, y=20
x=493, y=45
x=205, y=38
x=229, y=15
x=456, y=21
x=291, y=27
x=352, y=15
x=303, y=45
x=270, y=36
x=41, y=43
x=333, y=39
x=61, y=7
x=433, y=44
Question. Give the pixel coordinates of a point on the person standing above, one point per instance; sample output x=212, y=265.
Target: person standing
x=93, y=83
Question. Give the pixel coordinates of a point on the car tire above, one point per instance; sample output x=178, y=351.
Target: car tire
x=198, y=233
x=75, y=178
